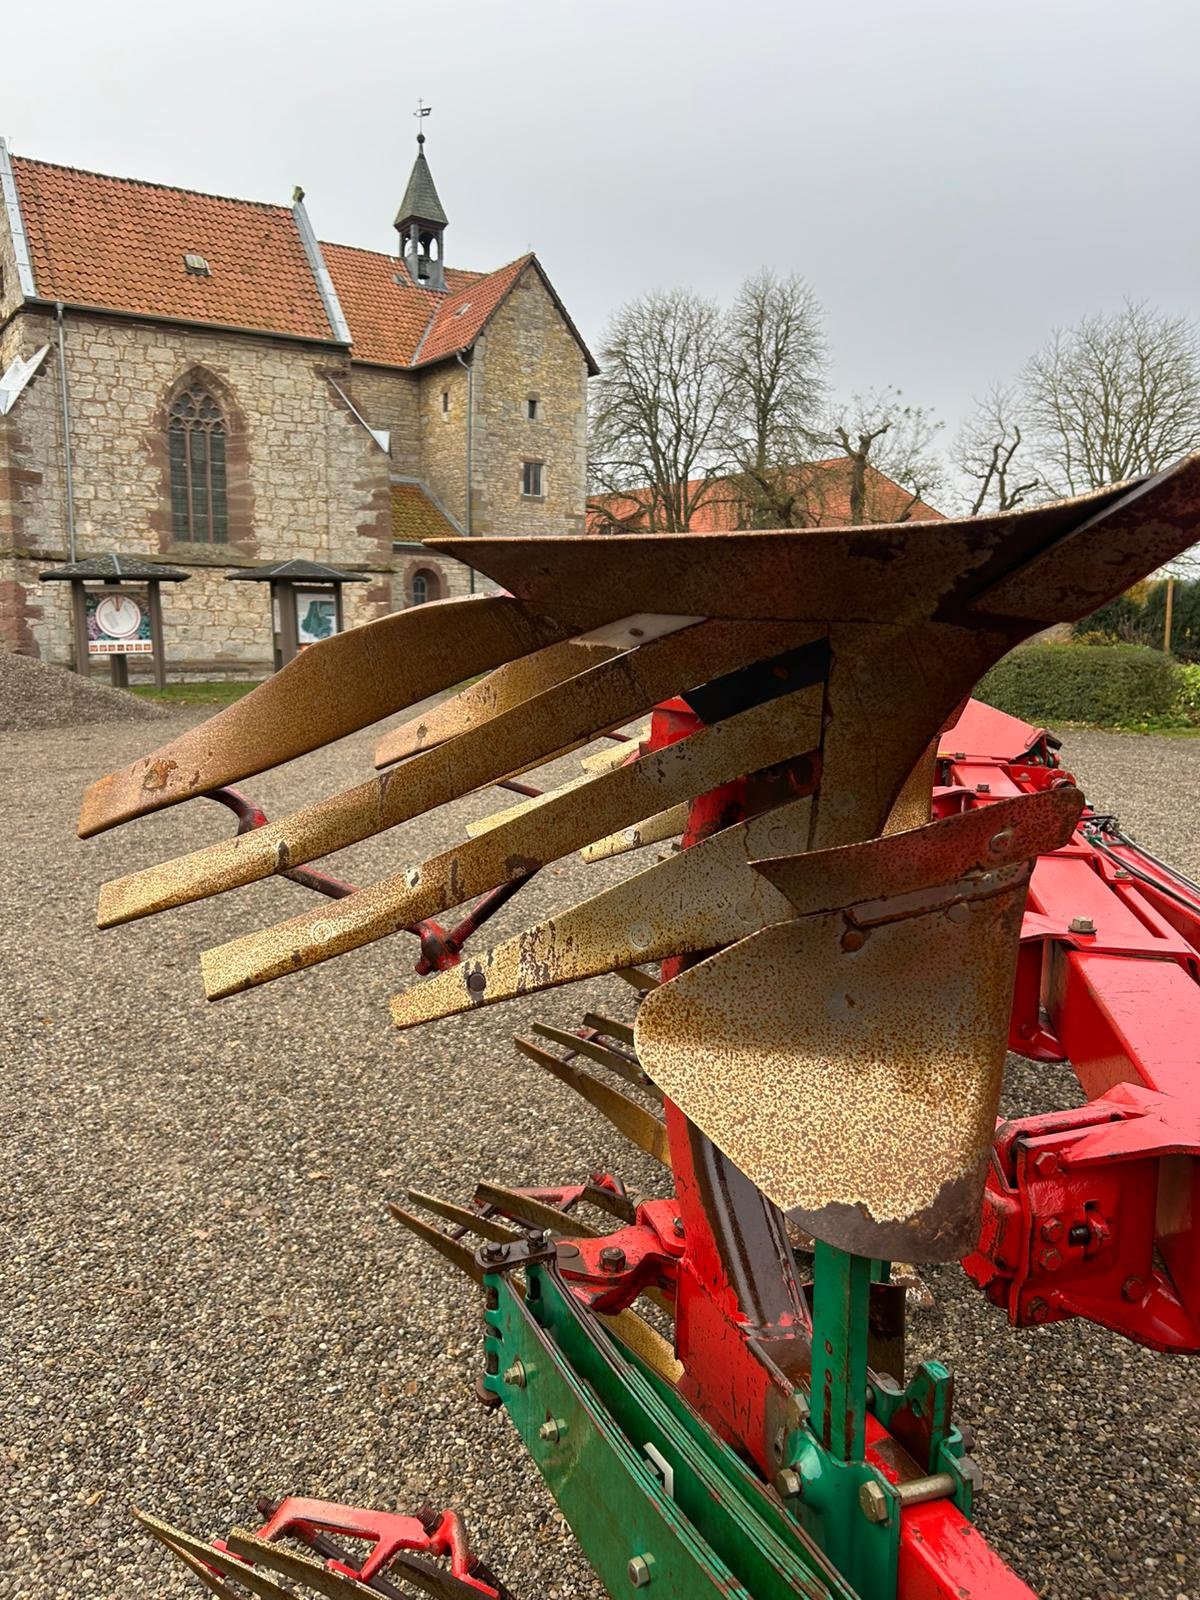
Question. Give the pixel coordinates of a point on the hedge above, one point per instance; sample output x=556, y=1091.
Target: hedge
x=1114, y=683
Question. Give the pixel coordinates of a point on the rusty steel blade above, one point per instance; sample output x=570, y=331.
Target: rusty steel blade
x=211, y=1581
x=912, y=807
x=196, y=1553
x=533, y=1212
x=500, y=690
x=634, y=1121
x=314, y=1574
x=610, y=1026
x=458, y=1255
x=853, y=1073
x=621, y=1066
x=889, y=574
x=636, y=1334
x=698, y=900
x=767, y=733
x=612, y=691
x=653, y=830
x=463, y=1217
x=939, y=853
x=331, y=689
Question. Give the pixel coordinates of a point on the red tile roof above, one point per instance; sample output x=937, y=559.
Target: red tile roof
x=120, y=244
x=387, y=313
x=719, y=507
x=416, y=517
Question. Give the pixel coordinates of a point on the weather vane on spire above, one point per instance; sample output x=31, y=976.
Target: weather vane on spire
x=422, y=111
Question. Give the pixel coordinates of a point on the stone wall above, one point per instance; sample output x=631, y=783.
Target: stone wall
x=528, y=351
x=443, y=462
x=305, y=478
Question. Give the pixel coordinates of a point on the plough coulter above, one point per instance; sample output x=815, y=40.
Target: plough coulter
x=881, y=886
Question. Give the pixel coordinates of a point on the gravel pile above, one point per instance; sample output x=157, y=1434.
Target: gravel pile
x=204, y=1299
x=35, y=695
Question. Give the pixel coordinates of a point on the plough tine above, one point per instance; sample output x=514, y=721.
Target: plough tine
x=471, y=1220
x=618, y=1206
x=300, y=1569
x=610, y=1026
x=783, y=1048
x=636, y=978
x=767, y=733
x=634, y=1121
x=620, y=1065
x=698, y=900
x=562, y=717
x=210, y=1579
x=653, y=830
x=637, y=1335
x=456, y=1253
x=533, y=1212
x=355, y=678
x=889, y=578
x=507, y=686
x=195, y=1553
x=978, y=841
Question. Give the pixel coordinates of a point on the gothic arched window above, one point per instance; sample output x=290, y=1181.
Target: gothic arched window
x=199, y=503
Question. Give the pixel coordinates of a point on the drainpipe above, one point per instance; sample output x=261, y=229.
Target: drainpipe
x=469, y=368
x=66, y=422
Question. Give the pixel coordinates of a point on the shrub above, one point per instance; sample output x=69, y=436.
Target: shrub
x=1139, y=617
x=1187, y=691
x=1115, y=683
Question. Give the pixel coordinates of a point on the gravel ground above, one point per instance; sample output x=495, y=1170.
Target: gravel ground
x=34, y=694
x=205, y=1301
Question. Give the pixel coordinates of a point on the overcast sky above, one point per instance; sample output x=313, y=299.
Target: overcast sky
x=955, y=177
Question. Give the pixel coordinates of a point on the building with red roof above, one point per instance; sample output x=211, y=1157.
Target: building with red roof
x=201, y=379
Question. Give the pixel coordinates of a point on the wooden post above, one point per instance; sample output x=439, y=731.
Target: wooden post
x=289, y=633
x=1167, y=619
x=119, y=667
x=156, y=635
x=83, y=663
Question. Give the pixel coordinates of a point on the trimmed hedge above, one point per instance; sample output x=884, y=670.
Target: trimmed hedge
x=1114, y=683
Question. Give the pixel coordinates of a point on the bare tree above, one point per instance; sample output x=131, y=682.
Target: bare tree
x=1113, y=397
x=775, y=358
x=883, y=439
x=987, y=450
x=658, y=411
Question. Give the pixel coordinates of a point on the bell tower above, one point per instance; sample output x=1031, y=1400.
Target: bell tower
x=421, y=222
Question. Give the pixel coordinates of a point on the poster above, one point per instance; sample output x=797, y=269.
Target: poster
x=118, y=621
x=316, y=615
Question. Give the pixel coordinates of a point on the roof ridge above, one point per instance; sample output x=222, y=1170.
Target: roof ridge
x=148, y=183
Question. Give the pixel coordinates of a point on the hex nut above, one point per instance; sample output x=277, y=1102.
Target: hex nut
x=612, y=1258
x=788, y=1483
x=515, y=1374
x=1081, y=925
x=873, y=1502
x=552, y=1430
x=640, y=1575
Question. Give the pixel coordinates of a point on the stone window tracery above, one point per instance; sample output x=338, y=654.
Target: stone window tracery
x=199, y=498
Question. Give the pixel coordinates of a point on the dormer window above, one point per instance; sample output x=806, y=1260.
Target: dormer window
x=196, y=265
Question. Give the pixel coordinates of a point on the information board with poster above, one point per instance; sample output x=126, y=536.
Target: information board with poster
x=118, y=621
x=316, y=615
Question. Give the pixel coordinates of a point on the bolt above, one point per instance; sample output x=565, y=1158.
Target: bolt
x=1081, y=925
x=873, y=1501
x=1052, y=1230
x=553, y=1430
x=1037, y=1310
x=412, y=877
x=677, y=1227
x=1000, y=840
x=1050, y=1259
x=477, y=982
x=639, y=1571
x=1079, y=1233
x=1045, y=1164
x=853, y=939
x=788, y=1483
x=1122, y=875
x=515, y=1374
x=983, y=788
x=612, y=1258
x=1133, y=1288
x=494, y=1251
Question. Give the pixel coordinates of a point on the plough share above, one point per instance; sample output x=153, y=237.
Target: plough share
x=882, y=886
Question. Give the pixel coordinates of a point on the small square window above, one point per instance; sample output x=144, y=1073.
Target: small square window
x=531, y=408
x=531, y=479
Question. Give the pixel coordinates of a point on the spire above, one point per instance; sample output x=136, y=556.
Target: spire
x=420, y=221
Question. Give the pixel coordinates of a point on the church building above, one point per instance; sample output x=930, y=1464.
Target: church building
x=199, y=381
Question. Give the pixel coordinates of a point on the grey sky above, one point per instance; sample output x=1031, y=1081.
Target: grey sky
x=954, y=176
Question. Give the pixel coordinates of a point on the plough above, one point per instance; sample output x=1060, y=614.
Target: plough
x=881, y=885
